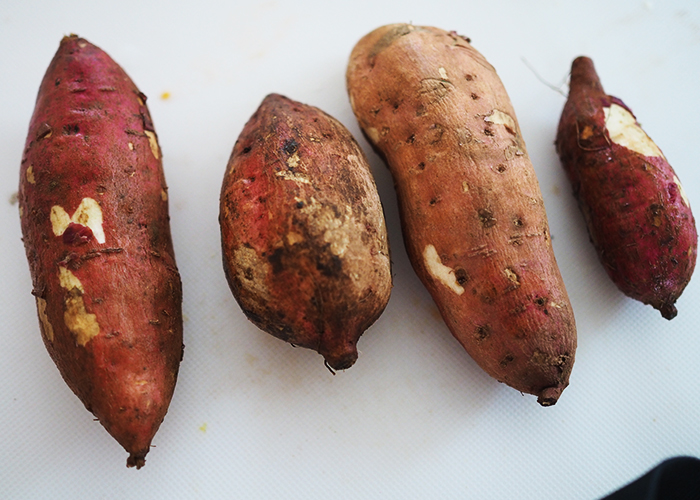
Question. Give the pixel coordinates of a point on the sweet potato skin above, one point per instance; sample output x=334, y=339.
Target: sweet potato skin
x=94, y=217
x=637, y=214
x=472, y=214
x=303, y=235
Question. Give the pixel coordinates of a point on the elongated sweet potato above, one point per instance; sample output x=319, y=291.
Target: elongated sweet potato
x=637, y=214
x=302, y=228
x=472, y=214
x=94, y=215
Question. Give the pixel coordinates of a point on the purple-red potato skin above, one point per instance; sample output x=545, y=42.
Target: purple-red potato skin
x=94, y=216
x=304, y=241
x=637, y=214
x=472, y=213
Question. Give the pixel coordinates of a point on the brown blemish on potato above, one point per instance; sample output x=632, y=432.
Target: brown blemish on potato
x=47, y=328
x=44, y=131
x=486, y=218
x=482, y=332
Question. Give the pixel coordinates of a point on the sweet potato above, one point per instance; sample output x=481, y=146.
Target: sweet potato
x=638, y=216
x=302, y=229
x=472, y=213
x=94, y=215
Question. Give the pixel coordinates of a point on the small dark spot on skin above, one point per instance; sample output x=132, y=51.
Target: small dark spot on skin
x=421, y=166
x=290, y=147
x=276, y=260
x=261, y=199
x=101, y=190
x=474, y=96
x=71, y=129
x=246, y=150
x=501, y=168
x=488, y=132
x=248, y=274
x=461, y=276
x=396, y=106
x=411, y=139
x=486, y=218
x=518, y=222
x=436, y=131
x=53, y=185
x=481, y=332
x=57, y=82
x=541, y=301
x=434, y=200
x=300, y=204
x=468, y=78
x=331, y=267
x=507, y=360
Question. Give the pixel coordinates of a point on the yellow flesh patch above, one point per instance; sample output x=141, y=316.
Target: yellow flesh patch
x=439, y=271
x=80, y=322
x=624, y=130
x=88, y=214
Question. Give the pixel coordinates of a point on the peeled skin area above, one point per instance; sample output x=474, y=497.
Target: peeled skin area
x=94, y=216
x=303, y=235
x=472, y=214
x=638, y=217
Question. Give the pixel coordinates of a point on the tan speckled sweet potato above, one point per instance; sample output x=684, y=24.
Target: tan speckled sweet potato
x=472, y=213
x=638, y=216
x=302, y=228
x=94, y=216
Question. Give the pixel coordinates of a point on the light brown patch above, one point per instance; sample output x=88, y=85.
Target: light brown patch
x=30, y=175
x=45, y=323
x=153, y=142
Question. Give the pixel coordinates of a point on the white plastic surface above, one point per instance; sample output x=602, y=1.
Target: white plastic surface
x=415, y=418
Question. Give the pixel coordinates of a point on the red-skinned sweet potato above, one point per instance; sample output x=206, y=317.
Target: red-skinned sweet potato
x=472, y=213
x=637, y=214
x=95, y=225
x=303, y=236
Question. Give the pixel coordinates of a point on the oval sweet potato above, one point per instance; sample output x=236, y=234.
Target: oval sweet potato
x=637, y=214
x=94, y=215
x=472, y=213
x=302, y=228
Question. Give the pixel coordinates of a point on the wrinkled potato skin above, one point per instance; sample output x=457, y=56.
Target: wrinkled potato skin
x=637, y=214
x=303, y=235
x=110, y=312
x=472, y=214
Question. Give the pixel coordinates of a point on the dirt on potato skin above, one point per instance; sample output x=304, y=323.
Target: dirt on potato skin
x=637, y=215
x=95, y=224
x=472, y=213
x=304, y=240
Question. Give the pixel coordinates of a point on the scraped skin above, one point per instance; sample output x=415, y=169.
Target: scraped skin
x=472, y=213
x=302, y=229
x=638, y=215
x=97, y=237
